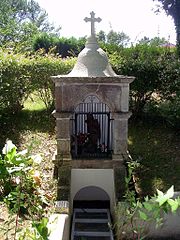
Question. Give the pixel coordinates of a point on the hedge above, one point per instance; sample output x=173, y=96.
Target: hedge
x=157, y=70
x=20, y=75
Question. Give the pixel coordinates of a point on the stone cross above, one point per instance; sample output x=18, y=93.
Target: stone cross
x=92, y=19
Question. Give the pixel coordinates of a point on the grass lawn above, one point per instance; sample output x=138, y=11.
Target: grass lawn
x=157, y=148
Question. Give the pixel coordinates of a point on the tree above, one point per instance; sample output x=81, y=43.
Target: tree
x=172, y=8
x=20, y=20
x=117, y=38
x=113, y=38
x=39, y=17
x=101, y=36
x=65, y=47
x=156, y=41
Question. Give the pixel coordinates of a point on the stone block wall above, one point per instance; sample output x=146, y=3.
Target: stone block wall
x=71, y=91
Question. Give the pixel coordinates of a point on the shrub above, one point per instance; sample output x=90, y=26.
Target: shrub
x=19, y=180
x=133, y=217
x=170, y=111
x=20, y=75
x=20, y=185
x=156, y=70
x=14, y=81
x=65, y=47
x=40, y=68
x=140, y=61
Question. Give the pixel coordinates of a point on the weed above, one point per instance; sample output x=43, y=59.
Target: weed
x=20, y=184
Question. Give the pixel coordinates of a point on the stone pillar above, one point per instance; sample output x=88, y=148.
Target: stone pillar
x=120, y=145
x=120, y=135
x=124, y=103
x=63, y=136
x=63, y=156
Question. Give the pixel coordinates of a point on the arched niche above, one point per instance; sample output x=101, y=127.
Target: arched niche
x=91, y=130
x=91, y=193
x=91, y=197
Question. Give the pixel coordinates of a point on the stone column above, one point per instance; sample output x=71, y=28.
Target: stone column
x=120, y=145
x=124, y=103
x=120, y=134
x=63, y=156
x=63, y=136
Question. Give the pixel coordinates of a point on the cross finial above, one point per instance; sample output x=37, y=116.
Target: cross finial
x=92, y=19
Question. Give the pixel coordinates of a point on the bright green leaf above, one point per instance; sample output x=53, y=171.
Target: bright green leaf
x=143, y=216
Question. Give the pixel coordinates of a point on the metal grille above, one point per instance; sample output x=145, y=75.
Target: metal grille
x=91, y=130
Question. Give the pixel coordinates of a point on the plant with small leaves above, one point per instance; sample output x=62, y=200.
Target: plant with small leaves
x=37, y=231
x=133, y=216
x=20, y=183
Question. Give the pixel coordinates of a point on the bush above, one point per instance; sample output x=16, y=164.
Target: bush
x=21, y=190
x=14, y=81
x=133, y=217
x=65, y=47
x=140, y=61
x=170, y=111
x=156, y=70
x=20, y=75
x=40, y=68
x=20, y=180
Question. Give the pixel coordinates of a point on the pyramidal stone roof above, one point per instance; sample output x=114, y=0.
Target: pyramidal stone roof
x=92, y=60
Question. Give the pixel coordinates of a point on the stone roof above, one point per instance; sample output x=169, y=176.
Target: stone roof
x=92, y=60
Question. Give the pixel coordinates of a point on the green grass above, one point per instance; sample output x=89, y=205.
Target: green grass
x=156, y=147
x=34, y=103
x=21, y=126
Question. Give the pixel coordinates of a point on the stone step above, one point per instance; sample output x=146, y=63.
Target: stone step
x=91, y=224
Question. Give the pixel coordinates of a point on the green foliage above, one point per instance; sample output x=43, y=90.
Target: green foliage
x=117, y=38
x=20, y=181
x=14, y=81
x=38, y=231
x=20, y=186
x=65, y=47
x=114, y=38
x=156, y=70
x=141, y=61
x=133, y=216
x=20, y=20
x=170, y=111
x=70, y=47
x=170, y=75
x=156, y=41
x=44, y=41
x=167, y=98
x=20, y=75
x=41, y=68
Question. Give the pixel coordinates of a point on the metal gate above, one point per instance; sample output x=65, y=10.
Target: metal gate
x=91, y=130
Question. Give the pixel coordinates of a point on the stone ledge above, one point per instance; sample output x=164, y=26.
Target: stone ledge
x=119, y=79
x=95, y=163
x=59, y=226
